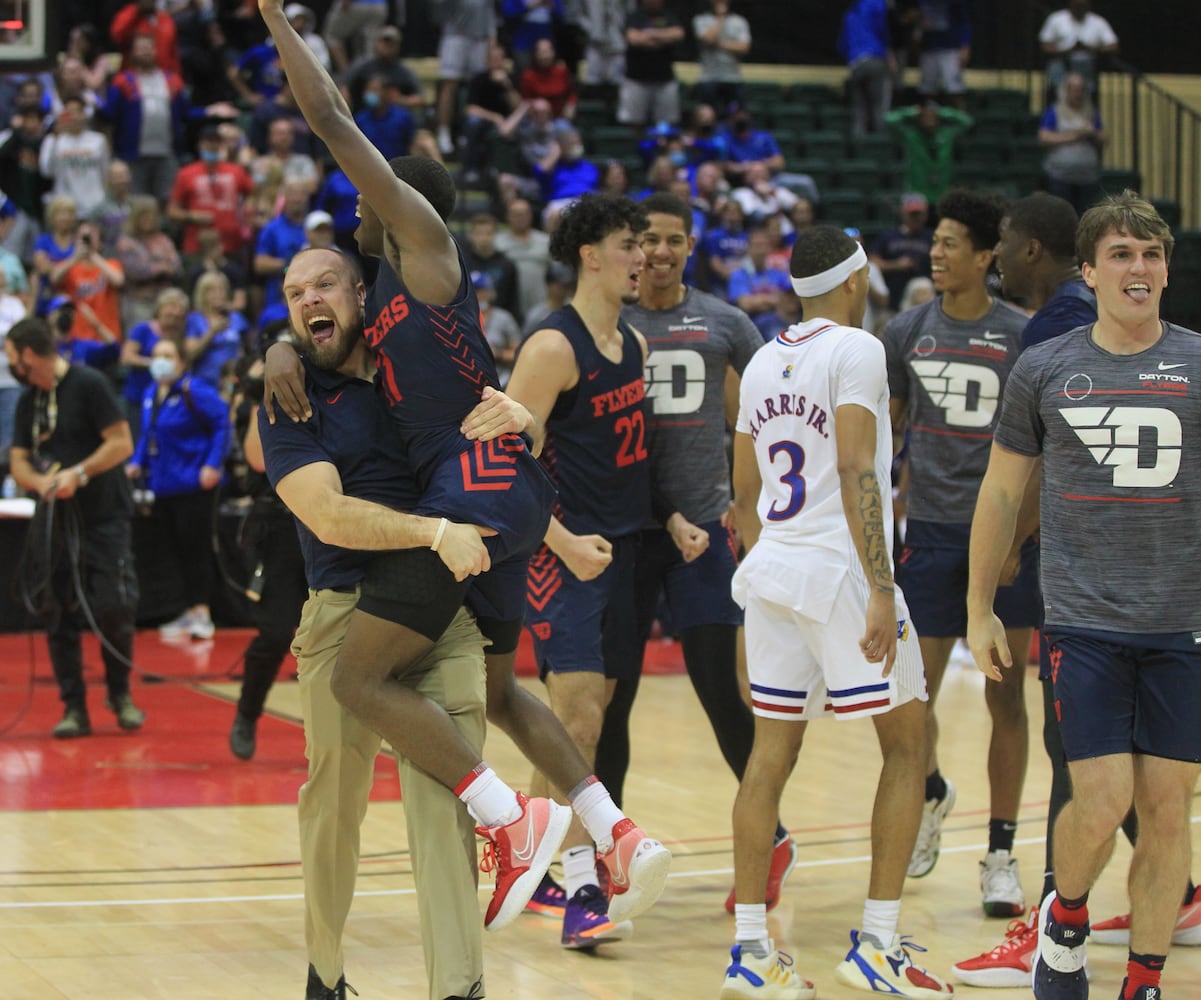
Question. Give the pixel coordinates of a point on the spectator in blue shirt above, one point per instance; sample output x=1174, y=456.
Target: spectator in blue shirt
x=170, y=315
x=786, y=313
x=258, y=76
x=215, y=334
x=724, y=247
x=277, y=243
x=755, y=287
x=865, y=43
x=340, y=198
x=385, y=122
x=565, y=175
x=746, y=144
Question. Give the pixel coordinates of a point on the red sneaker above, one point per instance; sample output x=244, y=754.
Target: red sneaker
x=1187, y=932
x=783, y=860
x=520, y=853
x=636, y=867
x=1009, y=963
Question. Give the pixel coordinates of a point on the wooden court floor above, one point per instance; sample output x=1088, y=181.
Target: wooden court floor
x=203, y=901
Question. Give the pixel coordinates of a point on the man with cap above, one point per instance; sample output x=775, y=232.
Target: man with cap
x=903, y=252
x=384, y=61
x=319, y=230
x=303, y=19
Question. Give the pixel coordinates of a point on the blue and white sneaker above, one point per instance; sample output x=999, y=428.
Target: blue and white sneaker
x=875, y=969
x=1059, y=971
x=772, y=977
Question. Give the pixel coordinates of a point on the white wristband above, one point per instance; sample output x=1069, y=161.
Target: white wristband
x=438, y=535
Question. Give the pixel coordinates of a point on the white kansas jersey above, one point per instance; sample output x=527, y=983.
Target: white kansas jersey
x=789, y=394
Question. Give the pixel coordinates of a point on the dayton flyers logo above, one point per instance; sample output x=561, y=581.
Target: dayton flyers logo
x=967, y=394
x=1113, y=435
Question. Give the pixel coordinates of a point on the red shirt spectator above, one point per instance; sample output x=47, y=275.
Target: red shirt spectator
x=211, y=193
x=141, y=18
x=549, y=79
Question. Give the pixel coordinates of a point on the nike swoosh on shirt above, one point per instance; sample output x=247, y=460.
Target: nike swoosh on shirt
x=591, y=375
x=334, y=399
x=989, y=335
x=1163, y=367
x=691, y=319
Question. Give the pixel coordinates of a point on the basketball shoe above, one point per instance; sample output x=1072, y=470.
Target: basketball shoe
x=929, y=834
x=549, y=899
x=637, y=869
x=1116, y=930
x=1059, y=972
x=875, y=969
x=1009, y=963
x=1142, y=993
x=772, y=977
x=783, y=861
x=586, y=922
x=317, y=990
x=1000, y=885
x=520, y=853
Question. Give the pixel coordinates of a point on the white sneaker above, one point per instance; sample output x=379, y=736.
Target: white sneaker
x=772, y=978
x=1000, y=885
x=201, y=627
x=178, y=627
x=929, y=834
x=1059, y=970
x=446, y=145
x=875, y=969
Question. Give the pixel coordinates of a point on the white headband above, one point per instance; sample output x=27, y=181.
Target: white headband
x=818, y=284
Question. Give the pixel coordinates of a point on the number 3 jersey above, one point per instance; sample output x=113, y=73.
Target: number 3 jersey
x=595, y=448
x=1121, y=478
x=789, y=394
x=950, y=374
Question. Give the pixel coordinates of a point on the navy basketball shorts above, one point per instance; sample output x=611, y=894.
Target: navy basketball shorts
x=1122, y=693
x=496, y=484
x=698, y=593
x=585, y=626
x=933, y=570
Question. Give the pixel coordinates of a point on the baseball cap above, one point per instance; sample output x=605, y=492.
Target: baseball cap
x=54, y=304
x=914, y=201
x=295, y=10
x=389, y=31
x=315, y=219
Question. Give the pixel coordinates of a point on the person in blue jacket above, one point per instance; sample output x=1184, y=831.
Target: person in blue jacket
x=180, y=453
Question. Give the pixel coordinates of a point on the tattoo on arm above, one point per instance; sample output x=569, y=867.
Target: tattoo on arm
x=871, y=514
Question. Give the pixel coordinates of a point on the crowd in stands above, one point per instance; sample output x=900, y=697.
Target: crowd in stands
x=157, y=182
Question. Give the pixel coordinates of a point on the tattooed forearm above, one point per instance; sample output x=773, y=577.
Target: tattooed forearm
x=871, y=514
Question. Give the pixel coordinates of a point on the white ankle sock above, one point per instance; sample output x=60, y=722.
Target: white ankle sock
x=579, y=869
x=750, y=928
x=880, y=919
x=489, y=800
x=594, y=805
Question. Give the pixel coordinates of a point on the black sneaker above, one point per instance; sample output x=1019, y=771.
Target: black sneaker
x=241, y=737
x=74, y=723
x=317, y=990
x=129, y=716
x=1142, y=993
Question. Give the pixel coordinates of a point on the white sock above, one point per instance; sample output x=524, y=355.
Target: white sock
x=579, y=869
x=594, y=805
x=750, y=928
x=489, y=800
x=880, y=919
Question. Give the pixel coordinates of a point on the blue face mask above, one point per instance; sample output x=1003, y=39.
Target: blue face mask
x=210, y=155
x=162, y=369
x=371, y=99
x=679, y=158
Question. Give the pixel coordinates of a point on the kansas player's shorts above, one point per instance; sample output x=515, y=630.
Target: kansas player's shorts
x=933, y=569
x=585, y=626
x=1122, y=693
x=497, y=484
x=802, y=669
x=698, y=593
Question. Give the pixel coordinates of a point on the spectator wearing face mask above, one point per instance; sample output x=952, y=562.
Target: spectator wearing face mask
x=565, y=175
x=383, y=120
x=211, y=192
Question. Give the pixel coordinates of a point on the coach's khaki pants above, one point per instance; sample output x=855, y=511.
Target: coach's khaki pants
x=341, y=753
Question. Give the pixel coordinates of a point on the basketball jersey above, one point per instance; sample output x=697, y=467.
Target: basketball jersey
x=789, y=394
x=596, y=436
x=434, y=362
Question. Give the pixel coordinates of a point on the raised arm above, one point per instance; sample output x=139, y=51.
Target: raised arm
x=414, y=231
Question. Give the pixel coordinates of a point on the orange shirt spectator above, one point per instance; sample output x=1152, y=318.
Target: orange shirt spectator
x=141, y=18
x=94, y=284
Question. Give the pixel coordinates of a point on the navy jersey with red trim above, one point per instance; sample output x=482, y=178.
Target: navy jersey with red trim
x=596, y=436
x=434, y=361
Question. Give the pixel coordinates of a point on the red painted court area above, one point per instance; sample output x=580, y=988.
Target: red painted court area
x=181, y=757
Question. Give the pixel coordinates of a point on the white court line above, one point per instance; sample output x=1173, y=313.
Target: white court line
x=288, y=897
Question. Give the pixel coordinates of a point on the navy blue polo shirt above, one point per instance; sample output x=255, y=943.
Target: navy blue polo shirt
x=1072, y=304
x=352, y=430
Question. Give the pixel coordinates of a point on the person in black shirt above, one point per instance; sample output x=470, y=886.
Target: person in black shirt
x=494, y=107
x=69, y=443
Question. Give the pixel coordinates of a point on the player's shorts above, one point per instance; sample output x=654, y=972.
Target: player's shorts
x=801, y=669
x=460, y=57
x=941, y=73
x=585, y=626
x=698, y=593
x=1123, y=693
x=933, y=571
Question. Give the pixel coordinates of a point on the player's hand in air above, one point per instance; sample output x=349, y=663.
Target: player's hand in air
x=984, y=634
x=587, y=556
x=689, y=539
x=879, y=642
x=270, y=6
x=463, y=551
x=494, y=415
x=283, y=383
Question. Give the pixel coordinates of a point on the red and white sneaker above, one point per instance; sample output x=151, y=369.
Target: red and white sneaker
x=520, y=853
x=1187, y=931
x=783, y=861
x=636, y=867
x=1009, y=963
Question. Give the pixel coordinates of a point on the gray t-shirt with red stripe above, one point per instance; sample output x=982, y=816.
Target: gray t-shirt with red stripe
x=951, y=374
x=1120, y=440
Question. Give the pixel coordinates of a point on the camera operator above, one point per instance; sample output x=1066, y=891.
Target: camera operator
x=69, y=442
